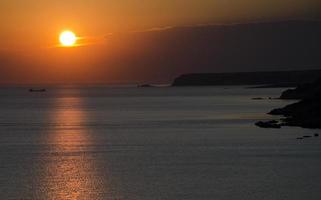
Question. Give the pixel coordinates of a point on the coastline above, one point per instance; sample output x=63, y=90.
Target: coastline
x=305, y=113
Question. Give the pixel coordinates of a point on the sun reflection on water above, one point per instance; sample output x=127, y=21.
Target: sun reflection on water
x=70, y=167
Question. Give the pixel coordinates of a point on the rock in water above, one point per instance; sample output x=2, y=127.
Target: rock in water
x=268, y=124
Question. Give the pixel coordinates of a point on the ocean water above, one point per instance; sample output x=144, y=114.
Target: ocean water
x=152, y=143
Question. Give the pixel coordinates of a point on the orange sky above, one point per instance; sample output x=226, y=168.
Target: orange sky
x=29, y=29
x=37, y=22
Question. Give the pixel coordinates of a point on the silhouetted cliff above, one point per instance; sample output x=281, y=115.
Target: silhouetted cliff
x=303, y=91
x=288, y=78
x=307, y=112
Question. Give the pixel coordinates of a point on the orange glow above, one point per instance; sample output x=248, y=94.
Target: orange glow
x=67, y=38
x=70, y=173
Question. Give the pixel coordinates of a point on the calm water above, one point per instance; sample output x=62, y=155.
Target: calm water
x=151, y=143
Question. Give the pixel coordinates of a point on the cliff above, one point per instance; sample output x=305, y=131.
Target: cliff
x=307, y=112
x=286, y=78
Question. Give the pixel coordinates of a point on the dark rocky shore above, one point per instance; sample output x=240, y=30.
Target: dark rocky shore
x=306, y=113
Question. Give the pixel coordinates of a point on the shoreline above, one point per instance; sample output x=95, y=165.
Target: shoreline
x=305, y=113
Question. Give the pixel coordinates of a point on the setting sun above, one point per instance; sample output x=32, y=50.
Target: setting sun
x=67, y=38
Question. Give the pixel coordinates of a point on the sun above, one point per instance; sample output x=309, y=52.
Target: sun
x=67, y=38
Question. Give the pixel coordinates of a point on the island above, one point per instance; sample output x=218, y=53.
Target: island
x=266, y=79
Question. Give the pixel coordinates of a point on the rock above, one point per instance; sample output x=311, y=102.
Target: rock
x=307, y=136
x=268, y=124
x=257, y=98
x=305, y=113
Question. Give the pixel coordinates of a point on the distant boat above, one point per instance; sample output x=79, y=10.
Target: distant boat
x=37, y=90
x=145, y=85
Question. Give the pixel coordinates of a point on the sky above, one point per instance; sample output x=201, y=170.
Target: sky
x=29, y=30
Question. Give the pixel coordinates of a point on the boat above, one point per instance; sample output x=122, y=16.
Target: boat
x=37, y=90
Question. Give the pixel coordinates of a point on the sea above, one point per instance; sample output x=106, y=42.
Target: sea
x=157, y=143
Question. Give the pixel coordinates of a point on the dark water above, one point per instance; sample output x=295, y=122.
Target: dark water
x=151, y=143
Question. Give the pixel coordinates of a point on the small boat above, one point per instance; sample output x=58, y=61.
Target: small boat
x=145, y=85
x=37, y=90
